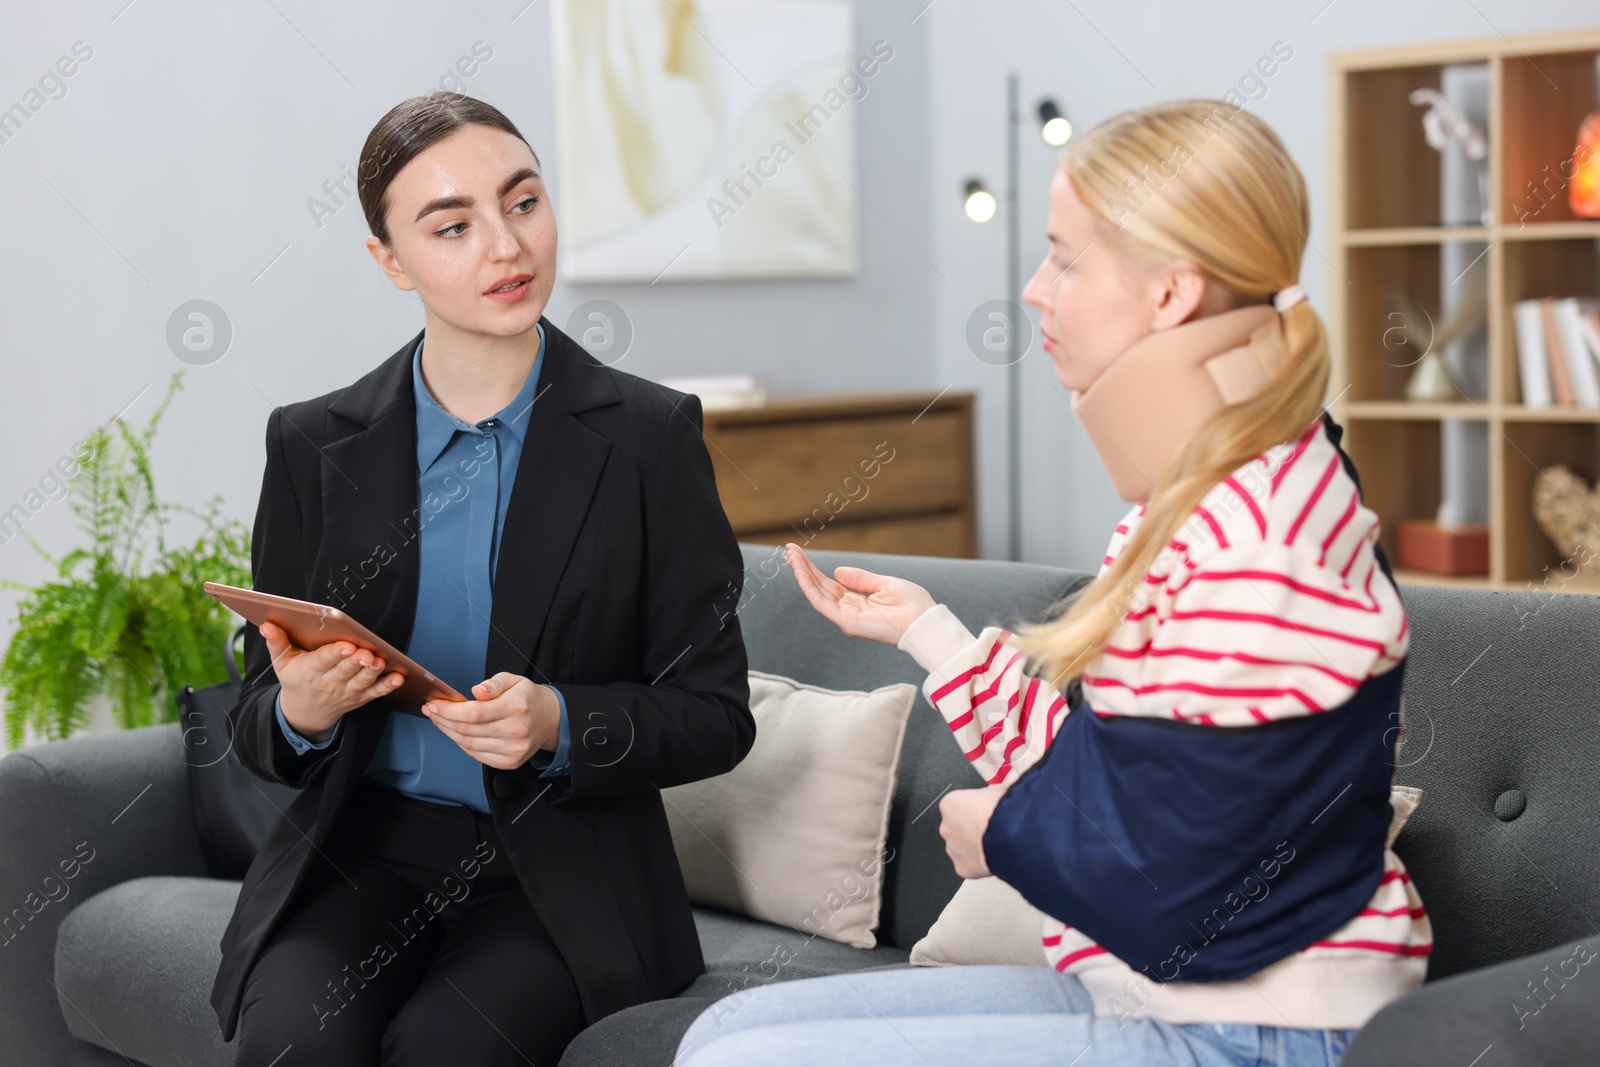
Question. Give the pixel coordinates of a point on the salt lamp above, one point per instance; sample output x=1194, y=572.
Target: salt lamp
x=1584, y=191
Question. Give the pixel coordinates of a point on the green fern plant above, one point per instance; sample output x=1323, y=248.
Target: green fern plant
x=113, y=621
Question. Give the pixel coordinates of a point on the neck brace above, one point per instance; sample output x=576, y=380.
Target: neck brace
x=1146, y=405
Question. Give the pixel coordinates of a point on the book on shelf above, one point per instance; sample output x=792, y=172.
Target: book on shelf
x=1568, y=314
x=1555, y=355
x=1573, y=323
x=1532, y=366
x=1589, y=326
x=1558, y=351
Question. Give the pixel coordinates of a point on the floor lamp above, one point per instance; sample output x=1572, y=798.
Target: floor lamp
x=1055, y=129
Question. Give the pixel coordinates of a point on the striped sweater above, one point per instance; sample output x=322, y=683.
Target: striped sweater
x=1268, y=603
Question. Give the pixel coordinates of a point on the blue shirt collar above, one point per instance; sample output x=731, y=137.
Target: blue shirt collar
x=436, y=427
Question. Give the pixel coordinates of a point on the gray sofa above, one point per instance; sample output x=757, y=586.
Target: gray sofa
x=114, y=965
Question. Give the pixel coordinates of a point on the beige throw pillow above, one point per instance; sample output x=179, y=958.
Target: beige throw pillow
x=795, y=834
x=987, y=921
x=1403, y=799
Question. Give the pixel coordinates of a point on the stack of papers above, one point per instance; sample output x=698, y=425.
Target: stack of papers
x=719, y=392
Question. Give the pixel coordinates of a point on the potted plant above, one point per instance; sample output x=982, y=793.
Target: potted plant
x=115, y=620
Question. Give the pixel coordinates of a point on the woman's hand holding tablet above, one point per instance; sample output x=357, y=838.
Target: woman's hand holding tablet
x=320, y=685
x=303, y=626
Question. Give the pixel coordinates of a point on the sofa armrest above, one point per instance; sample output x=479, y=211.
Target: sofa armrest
x=1543, y=1008
x=78, y=816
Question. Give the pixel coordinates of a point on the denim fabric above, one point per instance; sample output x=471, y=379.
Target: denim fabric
x=1022, y=1016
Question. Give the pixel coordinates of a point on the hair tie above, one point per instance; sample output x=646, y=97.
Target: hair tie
x=1287, y=298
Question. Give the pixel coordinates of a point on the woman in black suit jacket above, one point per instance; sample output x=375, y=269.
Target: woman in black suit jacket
x=617, y=582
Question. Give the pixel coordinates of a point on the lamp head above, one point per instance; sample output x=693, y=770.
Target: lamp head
x=981, y=204
x=1054, y=127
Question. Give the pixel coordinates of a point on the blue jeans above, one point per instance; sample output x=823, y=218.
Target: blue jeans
x=1021, y=1016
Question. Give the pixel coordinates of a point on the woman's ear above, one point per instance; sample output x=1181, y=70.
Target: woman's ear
x=391, y=266
x=1180, y=291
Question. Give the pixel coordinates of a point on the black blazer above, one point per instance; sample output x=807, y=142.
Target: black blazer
x=618, y=580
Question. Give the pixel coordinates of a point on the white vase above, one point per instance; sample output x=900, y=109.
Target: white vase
x=1431, y=380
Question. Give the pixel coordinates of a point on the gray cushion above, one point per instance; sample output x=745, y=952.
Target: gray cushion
x=124, y=794
x=1539, y=1009
x=134, y=966
x=740, y=953
x=84, y=1054
x=644, y=1034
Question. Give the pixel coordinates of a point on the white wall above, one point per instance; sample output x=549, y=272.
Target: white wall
x=179, y=163
x=180, y=160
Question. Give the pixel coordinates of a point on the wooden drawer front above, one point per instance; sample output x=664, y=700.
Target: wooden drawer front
x=922, y=535
x=841, y=470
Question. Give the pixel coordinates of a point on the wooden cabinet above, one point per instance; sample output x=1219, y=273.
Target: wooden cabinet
x=873, y=473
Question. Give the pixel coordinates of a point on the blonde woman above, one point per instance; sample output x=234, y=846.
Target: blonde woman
x=1207, y=817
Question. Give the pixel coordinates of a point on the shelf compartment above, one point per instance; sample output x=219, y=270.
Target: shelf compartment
x=1398, y=461
x=1546, y=98
x=1393, y=309
x=1393, y=176
x=1529, y=448
x=1567, y=267
x=1533, y=269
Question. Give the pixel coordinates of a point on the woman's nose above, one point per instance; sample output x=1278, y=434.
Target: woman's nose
x=1034, y=292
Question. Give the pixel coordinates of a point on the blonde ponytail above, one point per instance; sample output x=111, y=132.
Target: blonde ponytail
x=1193, y=179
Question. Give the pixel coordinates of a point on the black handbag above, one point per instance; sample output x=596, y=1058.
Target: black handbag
x=233, y=809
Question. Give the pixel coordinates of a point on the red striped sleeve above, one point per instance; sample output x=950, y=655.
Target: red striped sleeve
x=1333, y=466
x=1212, y=523
x=1073, y=957
x=1294, y=456
x=1250, y=502
x=1333, y=535
x=1002, y=717
x=967, y=675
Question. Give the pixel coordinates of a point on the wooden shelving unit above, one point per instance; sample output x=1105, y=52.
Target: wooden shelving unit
x=1386, y=241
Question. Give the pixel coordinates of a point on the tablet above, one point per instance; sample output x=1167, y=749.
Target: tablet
x=311, y=626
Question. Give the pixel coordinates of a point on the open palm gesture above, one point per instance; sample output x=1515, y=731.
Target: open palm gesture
x=860, y=603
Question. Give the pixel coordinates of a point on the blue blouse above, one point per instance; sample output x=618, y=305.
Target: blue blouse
x=465, y=474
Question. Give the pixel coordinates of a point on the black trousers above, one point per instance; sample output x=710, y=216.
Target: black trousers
x=409, y=942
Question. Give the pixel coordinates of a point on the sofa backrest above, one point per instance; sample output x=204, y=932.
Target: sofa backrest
x=1502, y=735
x=785, y=635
